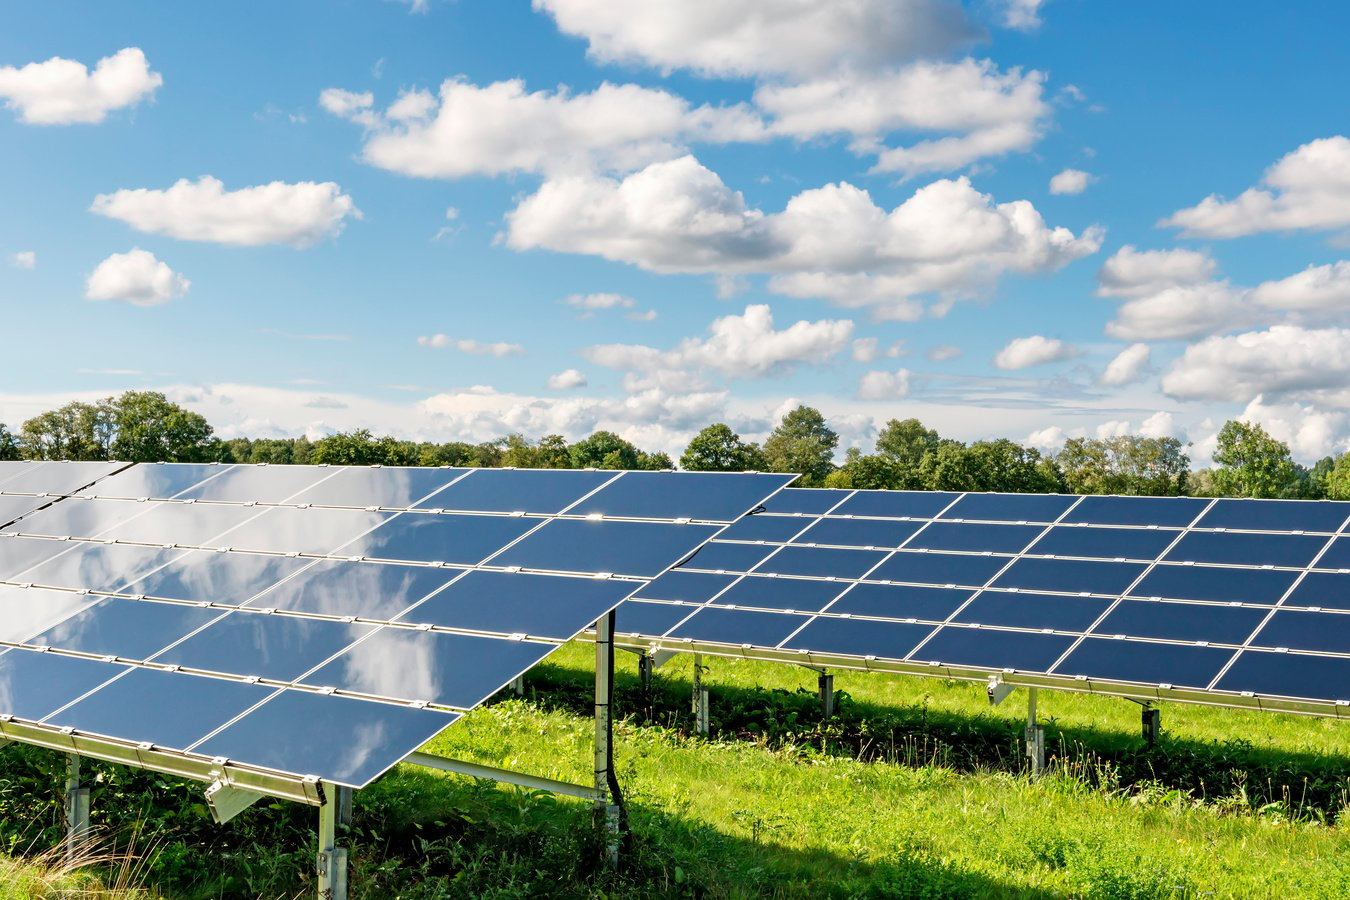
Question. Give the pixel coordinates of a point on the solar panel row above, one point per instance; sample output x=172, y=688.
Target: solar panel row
x=340, y=617
x=1107, y=589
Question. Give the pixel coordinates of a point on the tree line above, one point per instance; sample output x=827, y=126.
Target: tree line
x=145, y=426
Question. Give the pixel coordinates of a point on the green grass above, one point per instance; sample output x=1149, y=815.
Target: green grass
x=915, y=790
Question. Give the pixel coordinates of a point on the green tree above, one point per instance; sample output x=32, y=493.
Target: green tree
x=719, y=449
x=604, y=450
x=82, y=431
x=906, y=443
x=802, y=443
x=553, y=453
x=1126, y=464
x=1336, y=484
x=9, y=444
x=868, y=473
x=1251, y=463
x=147, y=427
x=360, y=448
x=1000, y=465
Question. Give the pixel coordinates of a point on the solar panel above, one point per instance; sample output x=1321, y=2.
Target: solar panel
x=317, y=621
x=1213, y=601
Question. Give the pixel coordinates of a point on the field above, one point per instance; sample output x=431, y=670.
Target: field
x=915, y=789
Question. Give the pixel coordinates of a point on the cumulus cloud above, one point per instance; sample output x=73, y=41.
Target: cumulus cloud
x=1284, y=361
x=832, y=242
x=24, y=259
x=1022, y=15
x=567, y=379
x=1309, y=431
x=1306, y=190
x=1138, y=273
x=137, y=278
x=744, y=346
x=502, y=128
x=600, y=301
x=943, y=352
x=1036, y=350
x=1071, y=181
x=1315, y=290
x=749, y=38
x=1161, y=424
x=1127, y=366
x=982, y=112
x=64, y=91
x=299, y=214
x=884, y=385
x=470, y=346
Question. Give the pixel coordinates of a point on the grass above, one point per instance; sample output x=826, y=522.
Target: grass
x=913, y=791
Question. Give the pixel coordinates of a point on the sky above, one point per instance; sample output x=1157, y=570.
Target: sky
x=458, y=219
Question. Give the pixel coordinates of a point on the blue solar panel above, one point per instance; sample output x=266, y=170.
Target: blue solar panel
x=1162, y=512
x=858, y=532
x=1010, y=507
x=1229, y=548
x=1276, y=515
x=940, y=568
x=1181, y=621
x=1104, y=543
x=975, y=537
x=1177, y=582
x=1150, y=663
x=1070, y=576
x=859, y=637
x=1026, y=610
x=900, y=601
x=894, y=504
x=988, y=648
x=800, y=594
x=821, y=562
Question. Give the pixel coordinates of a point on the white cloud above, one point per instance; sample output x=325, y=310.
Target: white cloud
x=1127, y=366
x=1161, y=424
x=866, y=350
x=1310, y=432
x=1306, y=190
x=1022, y=15
x=24, y=259
x=137, y=278
x=1022, y=353
x=1112, y=428
x=831, y=242
x=987, y=112
x=1284, y=361
x=470, y=346
x=1138, y=273
x=1071, y=181
x=884, y=385
x=1050, y=438
x=63, y=91
x=600, y=301
x=1169, y=295
x=644, y=316
x=501, y=128
x=1317, y=289
x=744, y=346
x=749, y=37
x=299, y=214
x=566, y=380
x=943, y=352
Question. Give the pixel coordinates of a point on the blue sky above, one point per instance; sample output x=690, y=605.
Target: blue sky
x=455, y=219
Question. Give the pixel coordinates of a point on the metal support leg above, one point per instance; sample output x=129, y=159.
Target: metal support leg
x=1152, y=723
x=518, y=685
x=645, y=669
x=609, y=802
x=825, y=684
x=77, y=810
x=331, y=862
x=700, y=697
x=1035, y=736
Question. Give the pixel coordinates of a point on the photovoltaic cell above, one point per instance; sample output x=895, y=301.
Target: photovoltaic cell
x=541, y=606
x=256, y=484
x=57, y=477
x=25, y=612
x=1337, y=555
x=800, y=594
x=1323, y=632
x=776, y=529
x=690, y=587
x=280, y=648
x=716, y=556
x=1327, y=590
x=96, y=566
x=821, y=562
x=446, y=669
x=156, y=481
x=976, y=537
x=134, y=629
x=540, y=491
x=987, y=648
x=900, y=601
x=317, y=531
x=1232, y=548
x=858, y=532
x=1010, y=507
x=1163, y=512
x=637, y=617
x=859, y=637
x=1069, y=576
x=168, y=709
x=230, y=578
x=808, y=501
x=189, y=524
x=1215, y=583
x=348, y=741
x=19, y=554
x=1275, y=515
x=12, y=507
x=894, y=504
x=1289, y=675
x=338, y=587
x=34, y=685
x=426, y=537
x=704, y=496
x=642, y=549
x=1026, y=610
x=965, y=569
x=1104, y=543
x=1182, y=621
x=738, y=626
x=1180, y=665
x=393, y=487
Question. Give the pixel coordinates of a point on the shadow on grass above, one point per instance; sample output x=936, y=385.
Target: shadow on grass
x=1234, y=772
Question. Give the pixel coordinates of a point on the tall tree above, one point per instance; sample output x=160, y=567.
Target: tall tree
x=1127, y=464
x=9, y=444
x=719, y=449
x=147, y=427
x=905, y=443
x=1252, y=463
x=875, y=471
x=802, y=443
x=360, y=448
x=77, y=430
x=604, y=450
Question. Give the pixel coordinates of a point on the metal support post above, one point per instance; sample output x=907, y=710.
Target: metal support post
x=1035, y=736
x=1152, y=722
x=645, y=669
x=609, y=799
x=700, y=697
x=331, y=862
x=518, y=685
x=77, y=810
x=825, y=685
